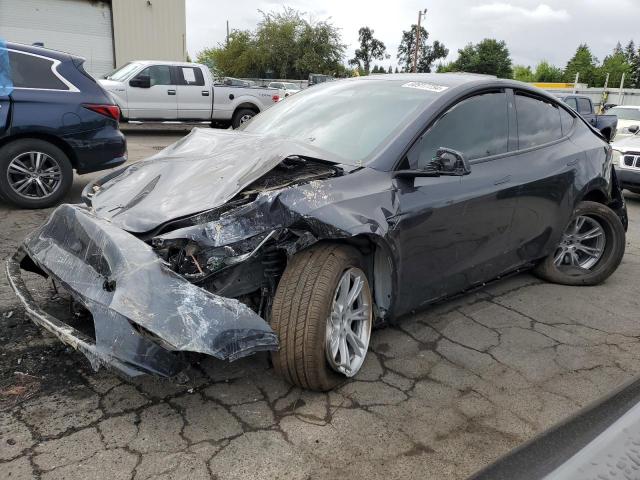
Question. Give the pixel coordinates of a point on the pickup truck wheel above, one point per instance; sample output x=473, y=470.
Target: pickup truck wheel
x=34, y=173
x=590, y=250
x=322, y=314
x=241, y=116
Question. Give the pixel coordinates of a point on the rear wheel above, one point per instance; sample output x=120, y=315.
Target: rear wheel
x=590, y=250
x=241, y=116
x=34, y=173
x=322, y=314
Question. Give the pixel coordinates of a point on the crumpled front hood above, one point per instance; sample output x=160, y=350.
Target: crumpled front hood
x=203, y=170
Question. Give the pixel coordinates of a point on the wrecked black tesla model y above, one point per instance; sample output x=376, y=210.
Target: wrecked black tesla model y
x=344, y=206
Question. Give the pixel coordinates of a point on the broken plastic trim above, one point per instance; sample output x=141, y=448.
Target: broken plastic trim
x=81, y=252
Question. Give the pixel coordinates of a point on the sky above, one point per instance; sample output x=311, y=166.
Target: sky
x=534, y=30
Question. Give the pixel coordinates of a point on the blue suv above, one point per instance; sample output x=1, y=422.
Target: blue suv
x=54, y=118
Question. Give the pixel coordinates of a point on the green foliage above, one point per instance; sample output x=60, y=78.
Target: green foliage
x=283, y=45
x=523, y=74
x=545, y=72
x=615, y=65
x=584, y=62
x=427, y=54
x=490, y=57
x=370, y=49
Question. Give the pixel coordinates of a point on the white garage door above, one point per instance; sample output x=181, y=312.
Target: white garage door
x=80, y=27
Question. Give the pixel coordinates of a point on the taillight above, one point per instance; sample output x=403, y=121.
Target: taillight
x=276, y=98
x=111, y=111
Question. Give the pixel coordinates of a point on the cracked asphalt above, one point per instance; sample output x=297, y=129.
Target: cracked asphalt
x=443, y=393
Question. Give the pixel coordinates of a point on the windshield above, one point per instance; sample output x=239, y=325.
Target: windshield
x=290, y=86
x=123, y=72
x=625, y=113
x=349, y=118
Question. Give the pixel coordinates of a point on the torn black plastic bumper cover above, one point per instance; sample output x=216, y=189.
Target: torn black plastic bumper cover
x=143, y=312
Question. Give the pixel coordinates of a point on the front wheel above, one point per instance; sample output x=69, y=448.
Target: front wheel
x=590, y=250
x=322, y=313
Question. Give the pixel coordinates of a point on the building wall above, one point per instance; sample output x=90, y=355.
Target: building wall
x=79, y=27
x=149, y=30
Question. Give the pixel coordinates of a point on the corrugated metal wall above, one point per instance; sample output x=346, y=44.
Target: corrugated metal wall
x=79, y=27
x=149, y=30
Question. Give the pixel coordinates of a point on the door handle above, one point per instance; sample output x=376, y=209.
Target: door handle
x=171, y=92
x=503, y=180
x=205, y=93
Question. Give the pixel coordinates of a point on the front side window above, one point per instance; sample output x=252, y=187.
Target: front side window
x=572, y=103
x=538, y=121
x=476, y=127
x=584, y=105
x=29, y=71
x=158, y=75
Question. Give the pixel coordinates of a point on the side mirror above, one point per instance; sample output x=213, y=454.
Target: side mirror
x=141, y=82
x=634, y=128
x=450, y=162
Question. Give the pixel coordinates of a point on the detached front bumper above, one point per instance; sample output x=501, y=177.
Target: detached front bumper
x=145, y=315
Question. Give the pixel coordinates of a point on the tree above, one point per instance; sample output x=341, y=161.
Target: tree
x=635, y=71
x=585, y=63
x=427, y=54
x=396, y=70
x=390, y=69
x=284, y=44
x=545, y=72
x=370, y=49
x=490, y=57
x=615, y=65
x=630, y=51
x=523, y=74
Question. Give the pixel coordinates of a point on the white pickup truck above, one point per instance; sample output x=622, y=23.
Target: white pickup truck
x=176, y=91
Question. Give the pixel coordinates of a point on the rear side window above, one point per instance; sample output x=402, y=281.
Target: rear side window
x=476, y=127
x=190, y=76
x=566, y=120
x=584, y=105
x=538, y=121
x=28, y=71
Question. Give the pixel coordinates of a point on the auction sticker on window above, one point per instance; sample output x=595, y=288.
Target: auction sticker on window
x=432, y=87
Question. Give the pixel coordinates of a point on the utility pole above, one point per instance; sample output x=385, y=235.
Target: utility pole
x=227, y=32
x=415, y=53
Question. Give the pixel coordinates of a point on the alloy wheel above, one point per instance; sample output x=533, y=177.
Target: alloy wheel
x=349, y=323
x=34, y=175
x=582, y=244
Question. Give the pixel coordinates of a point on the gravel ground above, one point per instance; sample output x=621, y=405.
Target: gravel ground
x=443, y=393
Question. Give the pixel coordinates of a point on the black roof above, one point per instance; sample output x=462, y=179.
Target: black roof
x=47, y=52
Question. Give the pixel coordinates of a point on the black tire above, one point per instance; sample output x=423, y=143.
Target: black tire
x=609, y=261
x=12, y=150
x=301, y=307
x=237, y=116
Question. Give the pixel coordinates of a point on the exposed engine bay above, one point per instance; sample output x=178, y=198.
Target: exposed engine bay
x=247, y=270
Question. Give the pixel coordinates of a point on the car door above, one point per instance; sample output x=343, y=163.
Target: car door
x=546, y=162
x=152, y=94
x=585, y=108
x=194, y=98
x=453, y=232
